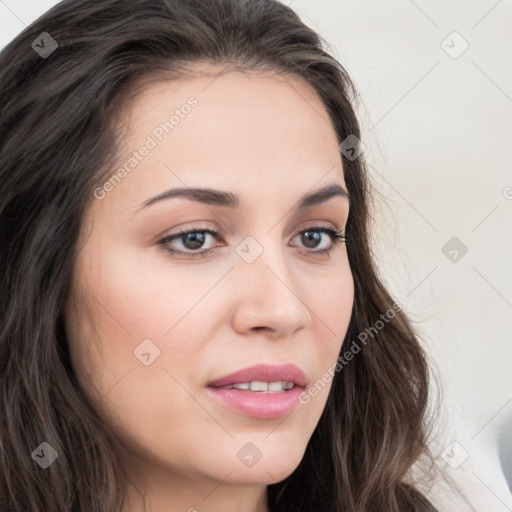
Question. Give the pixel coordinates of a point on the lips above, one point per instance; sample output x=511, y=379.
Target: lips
x=260, y=404
x=263, y=373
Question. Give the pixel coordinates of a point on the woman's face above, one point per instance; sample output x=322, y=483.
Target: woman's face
x=151, y=329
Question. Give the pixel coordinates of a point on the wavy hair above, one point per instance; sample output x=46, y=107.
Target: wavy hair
x=59, y=137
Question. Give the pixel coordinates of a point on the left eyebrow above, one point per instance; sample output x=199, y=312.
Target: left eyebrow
x=230, y=200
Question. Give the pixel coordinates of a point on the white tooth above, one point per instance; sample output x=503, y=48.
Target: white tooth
x=288, y=385
x=275, y=386
x=241, y=385
x=257, y=385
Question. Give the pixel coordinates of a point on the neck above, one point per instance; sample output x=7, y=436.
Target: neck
x=175, y=493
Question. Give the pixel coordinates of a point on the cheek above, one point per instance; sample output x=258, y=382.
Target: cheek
x=135, y=296
x=331, y=300
x=149, y=295
x=139, y=394
x=148, y=326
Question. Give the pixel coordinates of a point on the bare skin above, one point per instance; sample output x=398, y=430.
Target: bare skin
x=268, y=141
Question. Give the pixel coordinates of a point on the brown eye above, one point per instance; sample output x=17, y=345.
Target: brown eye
x=194, y=239
x=191, y=240
x=312, y=237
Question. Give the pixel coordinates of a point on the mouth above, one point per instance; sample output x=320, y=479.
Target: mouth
x=262, y=391
x=260, y=386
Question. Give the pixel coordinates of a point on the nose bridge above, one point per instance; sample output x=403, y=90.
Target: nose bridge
x=267, y=291
x=263, y=259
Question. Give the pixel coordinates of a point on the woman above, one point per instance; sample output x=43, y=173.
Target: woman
x=191, y=314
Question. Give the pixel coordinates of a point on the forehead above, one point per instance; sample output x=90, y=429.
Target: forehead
x=234, y=106
x=247, y=131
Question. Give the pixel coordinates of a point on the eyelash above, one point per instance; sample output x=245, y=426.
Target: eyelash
x=336, y=236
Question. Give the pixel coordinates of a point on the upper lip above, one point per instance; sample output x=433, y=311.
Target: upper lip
x=264, y=373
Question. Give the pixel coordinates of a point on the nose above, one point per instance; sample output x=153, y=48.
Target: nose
x=268, y=296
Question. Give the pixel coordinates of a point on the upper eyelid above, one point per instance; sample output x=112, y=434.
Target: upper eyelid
x=210, y=227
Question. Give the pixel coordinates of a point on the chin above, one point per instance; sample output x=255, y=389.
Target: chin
x=270, y=470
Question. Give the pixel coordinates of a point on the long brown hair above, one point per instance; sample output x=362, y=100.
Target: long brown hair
x=59, y=137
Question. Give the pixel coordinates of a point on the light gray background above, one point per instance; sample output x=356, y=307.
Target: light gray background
x=438, y=141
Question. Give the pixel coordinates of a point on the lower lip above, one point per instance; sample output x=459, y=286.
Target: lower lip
x=258, y=404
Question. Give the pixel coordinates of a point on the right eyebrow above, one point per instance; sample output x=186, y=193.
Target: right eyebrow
x=230, y=200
